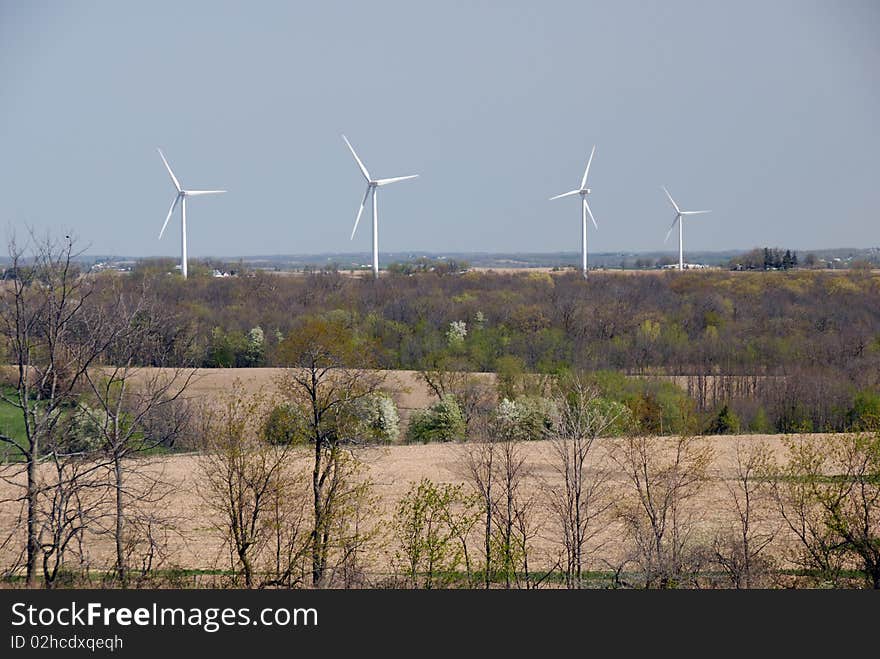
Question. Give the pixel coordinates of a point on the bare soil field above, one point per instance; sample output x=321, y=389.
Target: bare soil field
x=409, y=390
x=392, y=470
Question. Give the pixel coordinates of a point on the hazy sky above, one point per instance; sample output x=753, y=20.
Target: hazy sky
x=765, y=112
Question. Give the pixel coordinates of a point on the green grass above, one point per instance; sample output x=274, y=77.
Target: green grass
x=11, y=425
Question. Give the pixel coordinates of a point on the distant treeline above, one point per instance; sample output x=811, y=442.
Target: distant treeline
x=802, y=343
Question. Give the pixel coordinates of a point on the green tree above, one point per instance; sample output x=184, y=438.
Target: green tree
x=329, y=373
x=726, y=422
x=431, y=525
x=442, y=422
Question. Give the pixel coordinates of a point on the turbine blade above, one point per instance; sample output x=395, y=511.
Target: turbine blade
x=565, y=194
x=590, y=213
x=671, y=227
x=360, y=212
x=587, y=170
x=168, y=217
x=199, y=193
x=360, y=164
x=168, y=167
x=385, y=181
x=694, y=212
x=671, y=200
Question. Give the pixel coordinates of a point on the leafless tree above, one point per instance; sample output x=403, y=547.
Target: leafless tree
x=53, y=336
x=581, y=498
x=495, y=466
x=125, y=398
x=479, y=466
x=664, y=475
x=741, y=549
x=473, y=395
x=72, y=500
x=795, y=484
x=251, y=487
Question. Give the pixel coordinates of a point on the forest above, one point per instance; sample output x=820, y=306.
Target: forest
x=786, y=351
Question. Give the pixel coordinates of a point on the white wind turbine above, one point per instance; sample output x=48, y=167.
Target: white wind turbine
x=372, y=187
x=679, y=217
x=181, y=198
x=583, y=191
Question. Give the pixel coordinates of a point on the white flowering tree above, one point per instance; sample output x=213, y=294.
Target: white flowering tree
x=380, y=421
x=457, y=333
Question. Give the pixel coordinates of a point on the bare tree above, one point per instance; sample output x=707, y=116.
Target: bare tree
x=250, y=486
x=581, y=499
x=53, y=335
x=72, y=500
x=125, y=398
x=496, y=468
x=473, y=395
x=664, y=476
x=741, y=549
x=514, y=513
x=795, y=487
x=829, y=495
x=479, y=466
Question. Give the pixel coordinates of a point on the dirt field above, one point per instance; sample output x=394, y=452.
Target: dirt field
x=393, y=469
x=406, y=387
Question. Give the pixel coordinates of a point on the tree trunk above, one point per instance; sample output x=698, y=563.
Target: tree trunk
x=317, y=568
x=121, y=568
x=32, y=543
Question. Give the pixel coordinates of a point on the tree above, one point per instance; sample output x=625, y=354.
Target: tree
x=53, y=335
x=431, y=524
x=328, y=375
x=796, y=492
x=725, y=423
x=125, y=400
x=442, y=422
x=741, y=548
x=496, y=468
x=252, y=487
x=447, y=379
x=829, y=495
x=851, y=501
x=664, y=476
x=582, y=498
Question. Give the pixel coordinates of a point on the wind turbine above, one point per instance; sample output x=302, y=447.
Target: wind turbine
x=583, y=191
x=679, y=217
x=181, y=198
x=372, y=188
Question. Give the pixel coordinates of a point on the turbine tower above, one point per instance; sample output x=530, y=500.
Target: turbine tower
x=679, y=217
x=181, y=198
x=372, y=188
x=583, y=191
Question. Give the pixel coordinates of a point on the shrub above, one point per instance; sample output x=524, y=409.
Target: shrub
x=83, y=432
x=619, y=417
x=283, y=426
x=527, y=417
x=761, y=422
x=865, y=411
x=379, y=419
x=725, y=423
x=657, y=406
x=442, y=422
